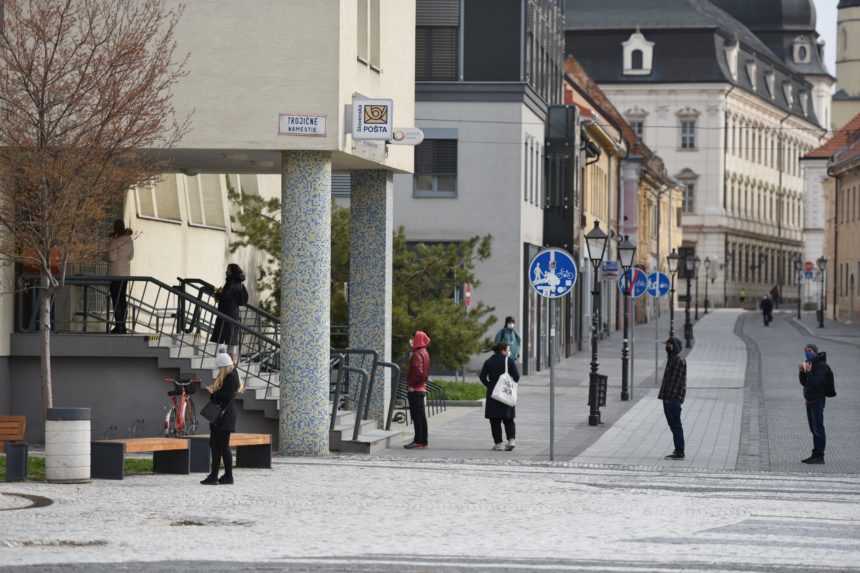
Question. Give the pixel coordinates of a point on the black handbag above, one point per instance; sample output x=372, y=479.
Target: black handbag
x=212, y=412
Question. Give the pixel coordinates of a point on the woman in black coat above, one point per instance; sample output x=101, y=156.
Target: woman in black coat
x=223, y=390
x=496, y=412
x=230, y=297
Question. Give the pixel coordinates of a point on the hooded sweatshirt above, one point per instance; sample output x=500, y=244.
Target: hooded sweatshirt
x=819, y=382
x=674, y=386
x=419, y=363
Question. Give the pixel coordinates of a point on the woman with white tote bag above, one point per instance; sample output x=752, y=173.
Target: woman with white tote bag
x=500, y=376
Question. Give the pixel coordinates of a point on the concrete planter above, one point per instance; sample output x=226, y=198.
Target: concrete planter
x=67, y=445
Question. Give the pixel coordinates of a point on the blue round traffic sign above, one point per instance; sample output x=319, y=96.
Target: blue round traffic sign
x=658, y=285
x=633, y=283
x=552, y=273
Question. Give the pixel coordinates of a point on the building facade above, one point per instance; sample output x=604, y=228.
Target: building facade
x=486, y=72
x=731, y=121
x=846, y=100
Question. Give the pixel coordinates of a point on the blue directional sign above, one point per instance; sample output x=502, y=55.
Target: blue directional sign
x=633, y=283
x=552, y=273
x=658, y=285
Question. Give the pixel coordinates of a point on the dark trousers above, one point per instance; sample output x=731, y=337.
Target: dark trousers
x=219, y=445
x=120, y=308
x=419, y=416
x=768, y=318
x=672, y=409
x=496, y=428
x=815, y=417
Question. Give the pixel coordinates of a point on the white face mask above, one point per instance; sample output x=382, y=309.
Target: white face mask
x=511, y=325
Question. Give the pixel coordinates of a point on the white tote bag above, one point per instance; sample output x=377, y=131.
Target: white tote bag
x=506, y=389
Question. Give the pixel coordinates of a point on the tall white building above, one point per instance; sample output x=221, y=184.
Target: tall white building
x=730, y=114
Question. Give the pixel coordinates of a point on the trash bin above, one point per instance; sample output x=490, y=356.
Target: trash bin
x=67, y=445
x=16, y=461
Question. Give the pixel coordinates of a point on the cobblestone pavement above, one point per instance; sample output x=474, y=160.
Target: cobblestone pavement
x=782, y=433
x=463, y=433
x=358, y=514
x=712, y=410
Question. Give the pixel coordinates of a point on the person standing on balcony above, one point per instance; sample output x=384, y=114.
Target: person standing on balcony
x=230, y=297
x=120, y=254
x=416, y=380
x=509, y=335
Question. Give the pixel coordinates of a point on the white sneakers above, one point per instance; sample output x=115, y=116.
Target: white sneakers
x=500, y=447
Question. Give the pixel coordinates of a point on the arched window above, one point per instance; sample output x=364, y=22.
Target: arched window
x=638, y=55
x=637, y=60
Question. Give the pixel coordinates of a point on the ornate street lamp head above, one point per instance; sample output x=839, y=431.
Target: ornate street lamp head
x=707, y=264
x=689, y=263
x=596, y=241
x=822, y=264
x=673, y=259
x=626, y=253
x=696, y=262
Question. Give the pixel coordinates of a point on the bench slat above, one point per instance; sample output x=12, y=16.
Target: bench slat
x=237, y=440
x=142, y=445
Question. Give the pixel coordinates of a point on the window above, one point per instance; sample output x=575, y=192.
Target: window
x=159, y=201
x=436, y=40
x=638, y=128
x=435, y=54
x=362, y=31
x=436, y=168
x=689, y=197
x=205, y=201
x=638, y=55
x=688, y=134
x=637, y=60
x=375, y=35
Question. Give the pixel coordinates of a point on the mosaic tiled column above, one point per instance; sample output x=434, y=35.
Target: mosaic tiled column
x=370, y=264
x=305, y=302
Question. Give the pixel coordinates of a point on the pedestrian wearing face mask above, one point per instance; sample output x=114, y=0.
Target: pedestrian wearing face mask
x=509, y=335
x=818, y=383
x=416, y=380
x=673, y=390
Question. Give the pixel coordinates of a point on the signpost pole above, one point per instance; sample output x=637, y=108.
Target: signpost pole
x=551, y=381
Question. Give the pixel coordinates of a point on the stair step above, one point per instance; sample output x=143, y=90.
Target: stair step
x=369, y=443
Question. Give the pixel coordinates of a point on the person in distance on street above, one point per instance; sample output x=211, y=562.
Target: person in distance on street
x=673, y=390
x=496, y=412
x=416, y=380
x=818, y=383
x=766, y=306
x=223, y=390
x=509, y=335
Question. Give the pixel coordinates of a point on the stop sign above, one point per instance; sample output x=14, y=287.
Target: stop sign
x=809, y=266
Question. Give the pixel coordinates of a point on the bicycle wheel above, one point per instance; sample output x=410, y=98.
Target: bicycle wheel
x=190, y=418
x=170, y=423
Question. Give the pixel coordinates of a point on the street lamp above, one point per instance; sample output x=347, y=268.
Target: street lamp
x=798, y=266
x=690, y=266
x=673, y=268
x=822, y=268
x=626, y=255
x=696, y=262
x=595, y=242
x=707, y=277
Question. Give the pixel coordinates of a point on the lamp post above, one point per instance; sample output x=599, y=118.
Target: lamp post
x=690, y=266
x=798, y=267
x=673, y=268
x=822, y=268
x=707, y=277
x=696, y=263
x=626, y=255
x=595, y=242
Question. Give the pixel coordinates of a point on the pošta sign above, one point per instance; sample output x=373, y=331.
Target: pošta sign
x=372, y=119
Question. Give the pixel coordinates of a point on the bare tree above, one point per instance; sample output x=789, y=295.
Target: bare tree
x=85, y=94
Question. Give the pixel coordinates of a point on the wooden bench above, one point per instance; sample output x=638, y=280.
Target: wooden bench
x=12, y=429
x=169, y=456
x=252, y=451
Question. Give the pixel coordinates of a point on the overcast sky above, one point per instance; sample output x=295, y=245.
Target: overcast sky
x=827, y=28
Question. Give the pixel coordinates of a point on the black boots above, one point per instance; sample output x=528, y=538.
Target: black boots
x=676, y=455
x=815, y=458
x=210, y=480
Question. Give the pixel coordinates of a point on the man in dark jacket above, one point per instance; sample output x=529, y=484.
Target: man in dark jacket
x=416, y=381
x=766, y=306
x=673, y=390
x=818, y=383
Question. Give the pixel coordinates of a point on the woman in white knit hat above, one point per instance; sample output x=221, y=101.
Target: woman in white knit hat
x=223, y=389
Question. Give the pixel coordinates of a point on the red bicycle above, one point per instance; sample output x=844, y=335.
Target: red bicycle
x=181, y=417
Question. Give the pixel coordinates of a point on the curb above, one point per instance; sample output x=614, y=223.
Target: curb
x=466, y=403
x=813, y=334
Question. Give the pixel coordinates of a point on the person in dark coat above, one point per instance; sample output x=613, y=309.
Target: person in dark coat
x=223, y=391
x=497, y=412
x=818, y=383
x=766, y=306
x=230, y=297
x=416, y=381
x=673, y=390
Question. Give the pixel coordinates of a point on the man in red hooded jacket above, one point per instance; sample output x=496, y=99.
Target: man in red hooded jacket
x=416, y=381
